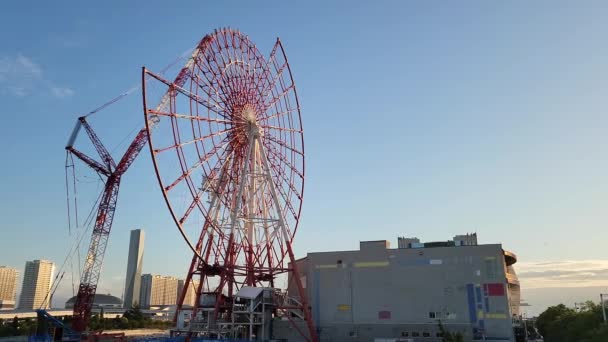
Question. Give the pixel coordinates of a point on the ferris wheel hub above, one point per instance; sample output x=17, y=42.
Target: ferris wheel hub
x=249, y=114
x=246, y=125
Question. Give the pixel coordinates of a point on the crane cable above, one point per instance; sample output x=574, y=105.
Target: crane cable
x=77, y=239
x=75, y=247
x=138, y=85
x=67, y=193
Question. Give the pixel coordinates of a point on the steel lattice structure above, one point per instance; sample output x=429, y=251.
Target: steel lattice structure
x=105, y=213
x=228, y=151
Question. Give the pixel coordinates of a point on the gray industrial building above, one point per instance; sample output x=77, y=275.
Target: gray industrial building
x=381, y=294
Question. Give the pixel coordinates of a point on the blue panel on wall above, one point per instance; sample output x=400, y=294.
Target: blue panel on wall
x=471, y=302
x=478, y=294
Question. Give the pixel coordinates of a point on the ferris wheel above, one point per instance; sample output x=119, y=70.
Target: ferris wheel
x=227, y=146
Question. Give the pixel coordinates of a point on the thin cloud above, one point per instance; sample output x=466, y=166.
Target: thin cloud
x=20, y=76
x=17, y=91
x=567, y=273
x=68, y=41
x=28, y=66
x=62, y=92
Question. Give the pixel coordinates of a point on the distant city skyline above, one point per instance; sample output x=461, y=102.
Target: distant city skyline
x=419, y=120
x=542, y=283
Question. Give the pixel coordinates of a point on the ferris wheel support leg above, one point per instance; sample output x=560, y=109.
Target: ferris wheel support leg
x=230, y=252
x=294, y=268
x=237, y=200
x=191, y=270
x=189, y=278
x=196, y=258
x=250, y=279
x=202, y=277
x=268, y=248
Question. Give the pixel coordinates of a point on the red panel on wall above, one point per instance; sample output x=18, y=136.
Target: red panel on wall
x=497, y=289
x=384, y=315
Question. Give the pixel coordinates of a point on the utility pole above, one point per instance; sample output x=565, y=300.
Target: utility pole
x=603, y=306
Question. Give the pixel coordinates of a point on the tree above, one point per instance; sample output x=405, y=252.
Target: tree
x=134, y=314
x=598, y=335
x=8, y=329
x=546, y=320
x=561, y=324
x=447, y=336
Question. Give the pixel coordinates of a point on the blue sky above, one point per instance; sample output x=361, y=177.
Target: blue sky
x=421, y=119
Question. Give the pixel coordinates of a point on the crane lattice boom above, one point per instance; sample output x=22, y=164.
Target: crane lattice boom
x=105, y=214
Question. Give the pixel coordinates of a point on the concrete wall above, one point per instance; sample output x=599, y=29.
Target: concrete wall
x=397, y=293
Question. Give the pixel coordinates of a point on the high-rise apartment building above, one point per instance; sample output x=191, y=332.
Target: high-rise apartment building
x=134, y=268
x=37, y=283
x=157, y=290
x=8, y=287
x=190, y=291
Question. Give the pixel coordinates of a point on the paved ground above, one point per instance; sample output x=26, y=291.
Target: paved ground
x=141, y=332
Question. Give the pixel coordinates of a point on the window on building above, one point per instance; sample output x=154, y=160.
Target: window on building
x=405, y=334
x=431, y=314
x=426, y=334
x=352, y=334
x=439, y=334
x=415, y=334
x=491, y=268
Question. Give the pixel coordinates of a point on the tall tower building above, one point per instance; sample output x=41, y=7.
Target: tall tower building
x=8, y=287
x=157, y=290
x=134, y=268
x=37, y=282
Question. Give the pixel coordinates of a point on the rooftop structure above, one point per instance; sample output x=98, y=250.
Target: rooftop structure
x=458, y=240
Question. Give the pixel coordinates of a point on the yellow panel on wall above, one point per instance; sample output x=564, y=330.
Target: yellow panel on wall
x=372, y=264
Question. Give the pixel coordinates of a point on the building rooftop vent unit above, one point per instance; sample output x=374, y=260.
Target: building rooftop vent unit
x=466, y=240
x=434, y=244
x=405, y=242
x=374, y=245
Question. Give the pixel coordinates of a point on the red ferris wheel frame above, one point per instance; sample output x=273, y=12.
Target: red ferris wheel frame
x=233, y=148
